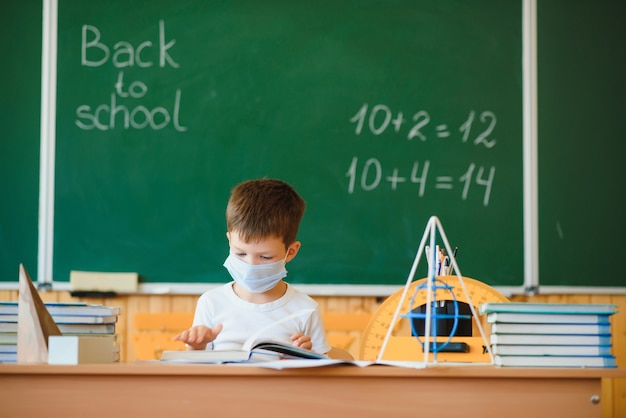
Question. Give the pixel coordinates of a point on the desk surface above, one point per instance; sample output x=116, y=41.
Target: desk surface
x=442, y=371
x=148, y=389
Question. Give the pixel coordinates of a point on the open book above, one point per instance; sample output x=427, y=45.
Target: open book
x=254, y=349
x=262, y=351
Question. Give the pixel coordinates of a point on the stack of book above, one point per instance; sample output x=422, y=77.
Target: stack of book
x=550, y=334
x=71, y=318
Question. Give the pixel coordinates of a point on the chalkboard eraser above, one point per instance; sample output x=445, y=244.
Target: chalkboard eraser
x=95, y=281
x=92, y=294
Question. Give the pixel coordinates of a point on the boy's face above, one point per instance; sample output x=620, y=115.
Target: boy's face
x=265, y=251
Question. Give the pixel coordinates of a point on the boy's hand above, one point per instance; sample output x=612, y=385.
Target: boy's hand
x=199, y=336
x=302, y=341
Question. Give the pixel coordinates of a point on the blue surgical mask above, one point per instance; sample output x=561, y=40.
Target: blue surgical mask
x=255, y=278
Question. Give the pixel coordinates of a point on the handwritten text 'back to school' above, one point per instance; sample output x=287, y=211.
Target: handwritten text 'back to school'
x=95, y=53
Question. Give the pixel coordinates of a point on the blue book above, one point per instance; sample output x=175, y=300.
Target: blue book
x=547, y=308
x=8, y=348
x=69, y=319
x=551, y=329
x=8, y=357
x=538, y=318
x=8, y=337
x=551, y=350
x=66, y=308
x=539, y=339
x=556, y=361
x=11, y=327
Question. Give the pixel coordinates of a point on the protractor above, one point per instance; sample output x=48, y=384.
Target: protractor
x=402, y=345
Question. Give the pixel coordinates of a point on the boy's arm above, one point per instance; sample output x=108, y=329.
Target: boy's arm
x=302, y=341
x=197, y=337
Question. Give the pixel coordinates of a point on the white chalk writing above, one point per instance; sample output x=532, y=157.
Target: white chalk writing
x=124, y=109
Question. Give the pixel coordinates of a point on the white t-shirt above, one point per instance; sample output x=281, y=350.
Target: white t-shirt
x=242, y=319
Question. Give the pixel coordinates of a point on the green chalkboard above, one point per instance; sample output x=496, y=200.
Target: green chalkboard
x=20, y=84
x=380, y=113
x=582, y=100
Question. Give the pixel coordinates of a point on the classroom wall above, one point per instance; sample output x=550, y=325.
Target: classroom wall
x=613, y=390
x=555, y=108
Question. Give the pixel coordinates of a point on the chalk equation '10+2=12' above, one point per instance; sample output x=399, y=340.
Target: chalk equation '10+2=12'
x=381, y=118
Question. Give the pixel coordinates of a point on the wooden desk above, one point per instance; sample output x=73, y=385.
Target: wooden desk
x=164, y=390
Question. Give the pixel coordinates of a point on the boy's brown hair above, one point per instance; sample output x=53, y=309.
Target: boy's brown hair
x=264, y=208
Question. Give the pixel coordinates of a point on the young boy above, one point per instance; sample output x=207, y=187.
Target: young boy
x=262, y=218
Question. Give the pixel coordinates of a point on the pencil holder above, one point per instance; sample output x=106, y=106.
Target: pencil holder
x=446, y=318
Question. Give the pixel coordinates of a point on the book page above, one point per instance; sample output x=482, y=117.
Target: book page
x=258, y=335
